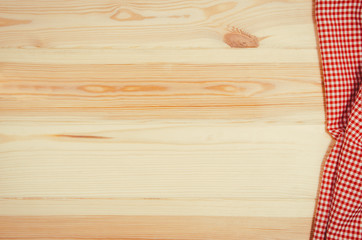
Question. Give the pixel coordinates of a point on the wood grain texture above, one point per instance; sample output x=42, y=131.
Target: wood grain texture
x=150, y=24
x=279, y=92
x=146, y=206
x=133, y=119
x=161, y=160
x=168, y=55
x=154, y=227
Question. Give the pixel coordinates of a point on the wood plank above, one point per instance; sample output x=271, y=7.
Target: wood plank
x=282, y=92
x=147, y=56
x=153, y=227
x=246, y=207
x=153, y=24
x=157, y=159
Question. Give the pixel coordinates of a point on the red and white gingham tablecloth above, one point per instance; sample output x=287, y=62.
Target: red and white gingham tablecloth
x=339, y=207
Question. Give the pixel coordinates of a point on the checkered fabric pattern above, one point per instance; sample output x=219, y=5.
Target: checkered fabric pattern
x=339, y=208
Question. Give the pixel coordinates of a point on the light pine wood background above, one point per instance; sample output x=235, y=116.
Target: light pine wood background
x=132, y=119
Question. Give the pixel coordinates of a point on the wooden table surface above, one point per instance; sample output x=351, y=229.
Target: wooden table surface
x=133, y=119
